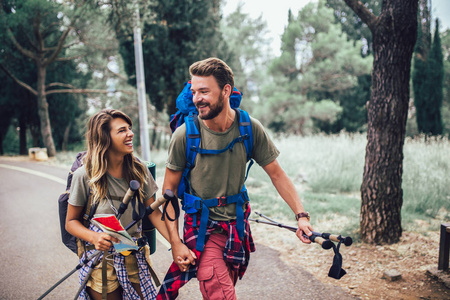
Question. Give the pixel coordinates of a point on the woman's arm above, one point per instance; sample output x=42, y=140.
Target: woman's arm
x=100, y=240
x=155, y=218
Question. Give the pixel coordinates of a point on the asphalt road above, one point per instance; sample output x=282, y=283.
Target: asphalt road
x=33, y=257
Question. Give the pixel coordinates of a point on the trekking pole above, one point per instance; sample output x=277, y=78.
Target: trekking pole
x=91, y=269
x=324, y=239
x=315, y=238
x=134, y=186
x=79, y=266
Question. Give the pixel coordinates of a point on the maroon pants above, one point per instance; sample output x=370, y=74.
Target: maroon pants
x=216, y=277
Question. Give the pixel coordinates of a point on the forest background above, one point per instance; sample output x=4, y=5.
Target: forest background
x=62, y=61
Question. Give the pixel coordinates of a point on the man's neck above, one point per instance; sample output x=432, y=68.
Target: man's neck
x=222, y=122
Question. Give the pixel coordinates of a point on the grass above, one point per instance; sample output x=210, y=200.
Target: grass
x=327, y=172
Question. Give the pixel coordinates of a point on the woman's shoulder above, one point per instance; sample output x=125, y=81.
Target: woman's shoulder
x=80, y=173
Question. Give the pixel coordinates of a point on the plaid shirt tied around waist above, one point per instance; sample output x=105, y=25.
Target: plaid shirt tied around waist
x=236, y=252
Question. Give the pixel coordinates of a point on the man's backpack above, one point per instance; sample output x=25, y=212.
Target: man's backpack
x=69, y=240
x=187, y=113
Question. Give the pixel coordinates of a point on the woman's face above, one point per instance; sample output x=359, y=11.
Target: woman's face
x=121, y=137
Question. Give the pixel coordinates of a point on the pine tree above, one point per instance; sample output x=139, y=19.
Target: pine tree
x=175, y=34
x=419, y=78
x=434, y=86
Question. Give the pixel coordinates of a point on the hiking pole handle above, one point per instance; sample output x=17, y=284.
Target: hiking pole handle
x=335, y=237
x=168, y=195
x=134, y=186
x=326, y=244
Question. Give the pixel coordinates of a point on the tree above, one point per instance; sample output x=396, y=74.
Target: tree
x=175, y=34
x=445, y=40
x=317, y=65
x=394, y=33
x=434, y=88
x=250, y=52
x=352, y=24
x=53, y=34
x=428, y=75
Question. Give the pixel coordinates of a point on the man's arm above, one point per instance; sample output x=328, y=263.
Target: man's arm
x=181, y=254
x=287, y=191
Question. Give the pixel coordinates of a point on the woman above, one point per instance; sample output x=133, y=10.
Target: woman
x=109, y=166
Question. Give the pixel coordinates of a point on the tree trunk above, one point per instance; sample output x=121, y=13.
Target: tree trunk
x=46, y=129
x=65, y=142
x=394, y=36
x=22, y=135
x=2, y=137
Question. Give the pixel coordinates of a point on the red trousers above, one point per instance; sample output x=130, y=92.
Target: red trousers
x=216, y=278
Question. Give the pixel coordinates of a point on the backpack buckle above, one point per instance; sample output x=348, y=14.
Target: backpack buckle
x=198, y=204
x=222, y=201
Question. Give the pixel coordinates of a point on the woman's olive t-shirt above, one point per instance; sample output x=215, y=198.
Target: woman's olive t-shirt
x=117, y=188
x=217, y=175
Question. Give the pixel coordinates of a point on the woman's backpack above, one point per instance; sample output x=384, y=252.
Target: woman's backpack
x=69, y=240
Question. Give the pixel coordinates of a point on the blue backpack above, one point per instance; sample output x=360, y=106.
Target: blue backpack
x=191, y=204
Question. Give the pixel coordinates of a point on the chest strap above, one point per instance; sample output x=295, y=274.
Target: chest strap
x=193, y=204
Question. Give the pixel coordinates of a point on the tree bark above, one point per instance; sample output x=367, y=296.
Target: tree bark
x=394, y=36
x=44, y=118
x=65, y=143
x=22, y=135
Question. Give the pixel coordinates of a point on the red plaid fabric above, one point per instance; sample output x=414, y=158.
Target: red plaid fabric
x=236, y=252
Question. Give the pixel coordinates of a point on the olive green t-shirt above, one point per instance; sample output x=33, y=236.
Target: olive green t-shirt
x=217, y=175
x=117, y=188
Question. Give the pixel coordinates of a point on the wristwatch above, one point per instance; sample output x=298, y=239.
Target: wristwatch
x=303, y=215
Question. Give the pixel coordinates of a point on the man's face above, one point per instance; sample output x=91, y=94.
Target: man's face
x=207, y=96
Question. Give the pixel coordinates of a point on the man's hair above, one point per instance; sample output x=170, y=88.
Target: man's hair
x=215, y=67
x=98, y=140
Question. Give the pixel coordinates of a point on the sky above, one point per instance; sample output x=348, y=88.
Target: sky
x=275, y=13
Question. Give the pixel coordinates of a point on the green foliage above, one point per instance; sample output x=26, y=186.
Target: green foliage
x=175, y=34
x=352, y=25
x=317, y=68
x=38, y=27
x=428, y=75
x=327, y=172
x=249, y=47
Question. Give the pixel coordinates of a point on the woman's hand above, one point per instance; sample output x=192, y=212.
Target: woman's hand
x=103, y=241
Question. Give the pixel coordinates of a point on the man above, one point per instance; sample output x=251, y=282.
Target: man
x=218, y=254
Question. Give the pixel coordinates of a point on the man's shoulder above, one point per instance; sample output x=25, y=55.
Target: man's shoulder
x=180, y=131
x=256, y=124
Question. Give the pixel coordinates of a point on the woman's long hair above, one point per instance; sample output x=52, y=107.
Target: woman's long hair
x=98, y=140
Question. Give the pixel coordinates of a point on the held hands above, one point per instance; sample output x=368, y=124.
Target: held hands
x=103, y=241
x=304, y=228
x=183, y=256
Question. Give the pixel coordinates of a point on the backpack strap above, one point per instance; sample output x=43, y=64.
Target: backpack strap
x=245, y=128
x=193, y=204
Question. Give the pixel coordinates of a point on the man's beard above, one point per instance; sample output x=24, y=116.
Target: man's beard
x=214, y=111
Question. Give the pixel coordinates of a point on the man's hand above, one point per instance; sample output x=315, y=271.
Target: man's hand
x=183, y=256
x=304, y=228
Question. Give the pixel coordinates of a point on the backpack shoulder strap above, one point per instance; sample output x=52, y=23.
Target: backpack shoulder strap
x=192, y=138
x=245, y=128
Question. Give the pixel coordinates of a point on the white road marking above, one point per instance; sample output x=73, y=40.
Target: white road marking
x=159, y=237
x=37, y=173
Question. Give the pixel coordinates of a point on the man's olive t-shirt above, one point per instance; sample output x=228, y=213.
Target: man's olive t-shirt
x=117, y=188
x=217, y=175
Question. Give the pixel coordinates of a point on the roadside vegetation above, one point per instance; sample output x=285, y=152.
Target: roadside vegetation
x=327, y=171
